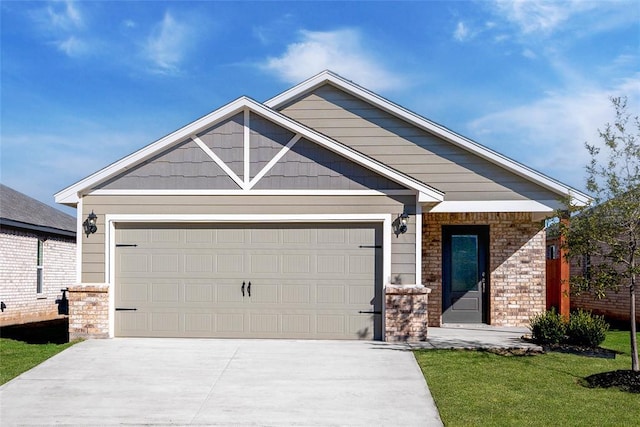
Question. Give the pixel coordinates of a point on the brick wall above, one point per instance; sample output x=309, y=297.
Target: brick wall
x=615, y=305
x=18, y=275
x=516, y=259
x=406, y=313
x=89, y=311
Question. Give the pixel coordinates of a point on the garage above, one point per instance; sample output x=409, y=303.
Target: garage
x=294, y=280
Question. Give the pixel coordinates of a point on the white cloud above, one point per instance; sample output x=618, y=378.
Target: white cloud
x=340, y=51
x=549, y=133
x=461, y=33
x=64, y=15
x=72, y=46
x=540, y=16
x=167, y=44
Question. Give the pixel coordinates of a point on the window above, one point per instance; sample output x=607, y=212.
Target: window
x=39, y=267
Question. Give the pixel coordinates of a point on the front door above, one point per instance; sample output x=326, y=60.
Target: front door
x=465, y=275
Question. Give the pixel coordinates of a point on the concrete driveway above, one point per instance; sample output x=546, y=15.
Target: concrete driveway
x=222, y=382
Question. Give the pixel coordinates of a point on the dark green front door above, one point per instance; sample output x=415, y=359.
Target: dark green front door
x=465, y=275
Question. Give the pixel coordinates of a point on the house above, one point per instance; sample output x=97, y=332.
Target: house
x=324, y=212
x=614, y=305
x=38, y=259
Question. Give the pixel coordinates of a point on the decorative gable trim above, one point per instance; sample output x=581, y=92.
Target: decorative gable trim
x=71, y=195
x=328, y=77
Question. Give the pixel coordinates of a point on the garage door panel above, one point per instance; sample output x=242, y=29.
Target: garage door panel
x=230, y=263
x=330, y=294
x=231, y=322
x=199, y=293
x=296, y=324
x=199, y=263
x=307, y=281
x=298, y=294
x=199, y=324
x=165, y=263
x=134, y=263
x=263, y=294
x=296, y=263
x=229, y=293
x=331, y=264
x=168, y=322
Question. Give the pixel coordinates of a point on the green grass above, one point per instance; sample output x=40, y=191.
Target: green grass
x=484, y=389
x=17, y=357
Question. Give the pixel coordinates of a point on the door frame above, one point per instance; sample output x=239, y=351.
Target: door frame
x=483, y=233
x=112, y=219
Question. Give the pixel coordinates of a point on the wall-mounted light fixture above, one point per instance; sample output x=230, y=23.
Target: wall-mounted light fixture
x=89, y=224
x=400, y=224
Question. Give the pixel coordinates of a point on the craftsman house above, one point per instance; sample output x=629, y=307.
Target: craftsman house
x=326, y=212
x=38, y=259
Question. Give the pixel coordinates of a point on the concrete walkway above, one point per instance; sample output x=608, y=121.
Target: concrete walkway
x=222, y=382
x=477, y=337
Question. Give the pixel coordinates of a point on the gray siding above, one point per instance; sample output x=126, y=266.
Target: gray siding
x=402, y=247
x=305, y=166
x=266, y=140
x=394, y=142
x=184, y=166
x=226, y=140
x=309, y=166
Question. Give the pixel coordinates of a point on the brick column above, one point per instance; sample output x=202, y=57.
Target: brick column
x=406, y=313
x=89, y=311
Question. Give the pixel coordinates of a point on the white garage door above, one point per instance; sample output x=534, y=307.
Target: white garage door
x=249, y=281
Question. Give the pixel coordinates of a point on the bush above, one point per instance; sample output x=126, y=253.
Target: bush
x=586, y=330
x=548, y=327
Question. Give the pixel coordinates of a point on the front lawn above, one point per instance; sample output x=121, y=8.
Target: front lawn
x=480, y=388
x=17, y=357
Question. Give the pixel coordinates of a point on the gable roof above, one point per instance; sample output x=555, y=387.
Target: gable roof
x=328, y=77
x=70, y=195
x=21, y=211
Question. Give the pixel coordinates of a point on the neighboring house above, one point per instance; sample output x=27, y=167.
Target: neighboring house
x=614, y=305
x=319, y=213
x=37, y=258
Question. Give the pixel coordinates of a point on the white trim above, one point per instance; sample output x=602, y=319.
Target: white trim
x=110, y=271
x=71, y=194
x=418, y=244
x=274, y=160
x=251, y=192
x=217, y=160
x=79, y=234
x=496, y=206
x=429, y=126
x=112, y=219
x=247, y=147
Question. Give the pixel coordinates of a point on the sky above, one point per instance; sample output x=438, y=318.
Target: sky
x=85, y=83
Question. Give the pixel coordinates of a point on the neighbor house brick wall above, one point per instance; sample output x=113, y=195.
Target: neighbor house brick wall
x=615, y=305
x=516, y=259
x=18, y=275
x=89, y=311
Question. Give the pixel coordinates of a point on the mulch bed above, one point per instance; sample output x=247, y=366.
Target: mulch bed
x=581, y=351
x=625, y=380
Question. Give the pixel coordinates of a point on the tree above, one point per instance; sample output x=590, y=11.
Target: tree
x=604, y=237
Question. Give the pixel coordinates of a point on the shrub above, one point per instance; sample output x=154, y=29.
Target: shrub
x=548, y=327
x=585, y=329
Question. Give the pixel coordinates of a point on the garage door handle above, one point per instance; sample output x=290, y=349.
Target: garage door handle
x=249, y=289
x=242, y=288
x=126, y=309
x=370, y=312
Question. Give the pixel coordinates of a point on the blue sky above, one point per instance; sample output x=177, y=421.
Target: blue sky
x=87, y=83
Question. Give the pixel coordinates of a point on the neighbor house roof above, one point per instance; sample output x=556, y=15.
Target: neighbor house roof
x=21, y=211
x=70, y=195
x=328, y=77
